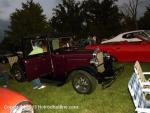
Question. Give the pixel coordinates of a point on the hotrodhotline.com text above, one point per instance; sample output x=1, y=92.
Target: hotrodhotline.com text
x=55, y=107
x=39, y=107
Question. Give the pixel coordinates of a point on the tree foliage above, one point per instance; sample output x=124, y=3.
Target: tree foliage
x=104, y=17
x=25, y=21
x=144, y=22
x=130, y=10
x=100, y=18
x=67, y=17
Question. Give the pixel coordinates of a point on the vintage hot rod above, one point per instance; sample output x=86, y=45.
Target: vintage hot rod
x=60, y=61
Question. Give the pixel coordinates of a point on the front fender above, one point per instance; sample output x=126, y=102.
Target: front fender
x=90, y=69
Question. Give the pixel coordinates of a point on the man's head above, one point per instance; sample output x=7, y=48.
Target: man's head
x=35, y=44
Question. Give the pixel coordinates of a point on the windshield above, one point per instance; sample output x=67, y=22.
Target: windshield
x=145, y=33
x=148, y=33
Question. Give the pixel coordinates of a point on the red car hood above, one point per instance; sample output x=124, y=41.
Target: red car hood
x=9, y=99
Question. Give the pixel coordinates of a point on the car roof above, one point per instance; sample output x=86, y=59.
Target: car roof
x=132, y=31
x=44, y=36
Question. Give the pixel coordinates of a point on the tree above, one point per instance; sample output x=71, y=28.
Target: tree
x=129, y=10
x=103, y=17
x=144, y=22
x=89, y=17
x=67, y=17
x=28, y=20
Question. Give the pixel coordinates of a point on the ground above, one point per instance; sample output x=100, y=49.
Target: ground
x=115, y=99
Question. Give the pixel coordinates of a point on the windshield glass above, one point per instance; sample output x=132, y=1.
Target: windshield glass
x=148, y=33
x=144, y=33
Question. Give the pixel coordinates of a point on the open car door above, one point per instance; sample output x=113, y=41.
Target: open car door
x=37, y=58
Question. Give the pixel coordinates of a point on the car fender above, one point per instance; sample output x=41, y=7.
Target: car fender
x=10, y=99
x=17, y=64
x=90, y=69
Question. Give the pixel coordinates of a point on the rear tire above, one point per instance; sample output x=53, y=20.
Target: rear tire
x=83, y=82
x=18, y=73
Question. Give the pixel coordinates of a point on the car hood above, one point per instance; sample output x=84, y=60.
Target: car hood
x=9, y=99
x=74, y=51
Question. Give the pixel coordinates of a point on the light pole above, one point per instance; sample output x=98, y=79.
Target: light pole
x=84, y=24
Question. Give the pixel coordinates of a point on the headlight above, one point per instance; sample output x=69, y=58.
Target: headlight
x=23, y=107
x=94, y=61
x=96, y=51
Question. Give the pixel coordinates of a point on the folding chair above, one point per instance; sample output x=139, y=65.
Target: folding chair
x=141, y=75
x=138, y=95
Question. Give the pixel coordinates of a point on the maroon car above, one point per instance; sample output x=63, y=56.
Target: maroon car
x=60, y=61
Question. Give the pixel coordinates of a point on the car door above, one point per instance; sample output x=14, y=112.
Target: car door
x=37, y=63
x=143, y=52
x=123, y=51
x=58, y=58
x=132, y=51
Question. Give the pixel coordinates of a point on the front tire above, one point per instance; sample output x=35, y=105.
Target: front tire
x=18, y=73
x=83, y=82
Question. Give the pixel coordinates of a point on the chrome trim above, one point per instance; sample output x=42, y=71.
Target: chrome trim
x=21, y=103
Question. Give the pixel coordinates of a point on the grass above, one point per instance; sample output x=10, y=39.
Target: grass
x=114, y=99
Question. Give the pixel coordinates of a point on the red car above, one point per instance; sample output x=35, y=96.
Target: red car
x=13, y=102
x=125, y=51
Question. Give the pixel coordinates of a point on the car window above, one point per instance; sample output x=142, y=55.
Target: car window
x=35, y=47
x=55, y=44
x=60, y=43
x=128, y=36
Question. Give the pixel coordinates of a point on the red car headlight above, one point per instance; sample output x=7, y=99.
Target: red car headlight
x=23, y=107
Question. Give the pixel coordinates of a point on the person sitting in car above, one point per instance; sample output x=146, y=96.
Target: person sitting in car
x=36, y=48
x=36, y=83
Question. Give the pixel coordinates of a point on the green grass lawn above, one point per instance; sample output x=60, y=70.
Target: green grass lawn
x=114, y=99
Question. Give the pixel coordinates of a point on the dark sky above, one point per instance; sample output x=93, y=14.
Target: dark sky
x=9, y=6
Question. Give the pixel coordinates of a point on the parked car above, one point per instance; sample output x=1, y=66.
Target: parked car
x=60, y=61
x=14, y=102
x=127, y=51
x=128, y=36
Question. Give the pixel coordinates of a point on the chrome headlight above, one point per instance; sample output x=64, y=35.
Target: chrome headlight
x=96, y=51
x=94, y=61
x=23, y=107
